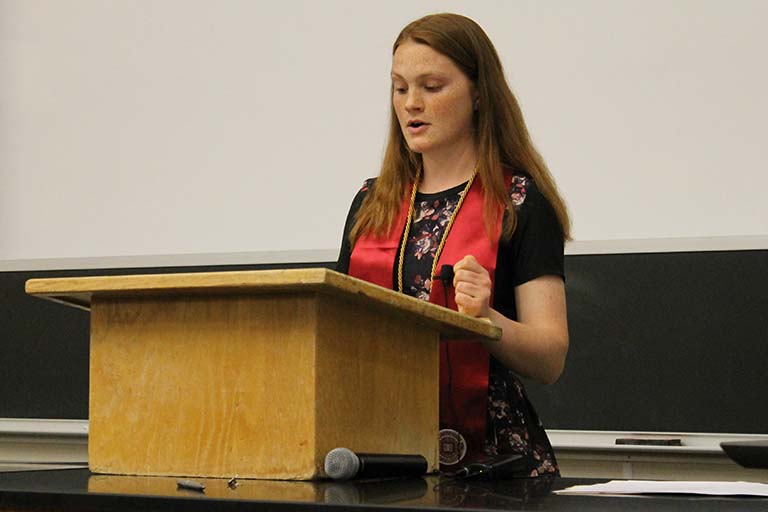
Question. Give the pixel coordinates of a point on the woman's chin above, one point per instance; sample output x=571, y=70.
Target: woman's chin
x=417, y=147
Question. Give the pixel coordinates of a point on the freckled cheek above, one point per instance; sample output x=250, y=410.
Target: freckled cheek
x=399, y=110
x=450, y=107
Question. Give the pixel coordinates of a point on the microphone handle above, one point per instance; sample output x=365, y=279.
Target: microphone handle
x=378, y=465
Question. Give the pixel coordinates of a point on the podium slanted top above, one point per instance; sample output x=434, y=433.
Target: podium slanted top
x=79, y=291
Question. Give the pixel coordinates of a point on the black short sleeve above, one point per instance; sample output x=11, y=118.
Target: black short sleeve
x=342, y=263
x=535, y=249
x=537, y=245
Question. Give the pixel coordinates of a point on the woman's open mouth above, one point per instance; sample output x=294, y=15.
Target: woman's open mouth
x=416, y=126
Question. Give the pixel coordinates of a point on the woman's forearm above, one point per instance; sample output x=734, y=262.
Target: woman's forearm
x=533, y=351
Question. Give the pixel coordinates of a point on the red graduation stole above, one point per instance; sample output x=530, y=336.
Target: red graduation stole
x=463, y=365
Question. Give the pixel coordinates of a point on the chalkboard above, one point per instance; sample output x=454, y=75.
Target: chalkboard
x=43, y=353
x=44, y=346
x=673, y=342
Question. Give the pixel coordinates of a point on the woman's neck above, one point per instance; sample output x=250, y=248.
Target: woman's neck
x=441, y=172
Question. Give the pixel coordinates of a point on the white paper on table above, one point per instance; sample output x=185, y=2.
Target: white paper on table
x=669, y=487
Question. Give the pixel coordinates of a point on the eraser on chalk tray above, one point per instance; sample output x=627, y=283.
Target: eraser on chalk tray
x=650, y=441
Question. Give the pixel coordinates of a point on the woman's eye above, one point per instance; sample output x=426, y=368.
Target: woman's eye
x=400, y=90
x=432, y=88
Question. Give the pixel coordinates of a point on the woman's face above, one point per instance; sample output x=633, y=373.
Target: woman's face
x=432, y=98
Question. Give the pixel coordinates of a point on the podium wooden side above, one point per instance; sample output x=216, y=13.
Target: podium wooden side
x=257, y=374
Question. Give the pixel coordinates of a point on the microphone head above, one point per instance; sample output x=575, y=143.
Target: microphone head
x=446, y=274
x=341, y=464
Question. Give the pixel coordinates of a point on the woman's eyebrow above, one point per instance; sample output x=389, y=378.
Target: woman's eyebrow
x=421, y=76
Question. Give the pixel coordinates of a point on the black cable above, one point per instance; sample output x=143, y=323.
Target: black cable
x=446, y=277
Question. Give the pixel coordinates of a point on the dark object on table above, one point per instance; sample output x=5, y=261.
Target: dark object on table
x=344, y=464
x=750, y=454
x=647, y=441
x=190, y=485
x=514, y=466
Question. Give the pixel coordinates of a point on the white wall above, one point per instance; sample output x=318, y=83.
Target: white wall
x=185, y=127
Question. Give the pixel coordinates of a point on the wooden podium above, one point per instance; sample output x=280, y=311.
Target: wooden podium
x=257, y=374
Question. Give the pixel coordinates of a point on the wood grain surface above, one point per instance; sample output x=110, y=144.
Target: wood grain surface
x=257, y=374
x=202, y=386
x=79, y=292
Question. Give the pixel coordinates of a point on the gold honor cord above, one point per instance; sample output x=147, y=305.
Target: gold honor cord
x=442, y=239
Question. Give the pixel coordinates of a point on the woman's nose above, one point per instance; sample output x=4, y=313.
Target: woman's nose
x=414, y=102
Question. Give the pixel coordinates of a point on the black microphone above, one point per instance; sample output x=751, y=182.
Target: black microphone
x=510, y=467
x=446, y=275
x=343, y=464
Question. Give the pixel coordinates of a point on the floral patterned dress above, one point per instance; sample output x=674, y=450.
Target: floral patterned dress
x=512, y=426
x=535, y=249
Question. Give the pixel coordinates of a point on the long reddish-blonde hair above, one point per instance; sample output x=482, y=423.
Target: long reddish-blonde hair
x=501, y=135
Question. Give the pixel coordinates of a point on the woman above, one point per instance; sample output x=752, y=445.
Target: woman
x=462, y=185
